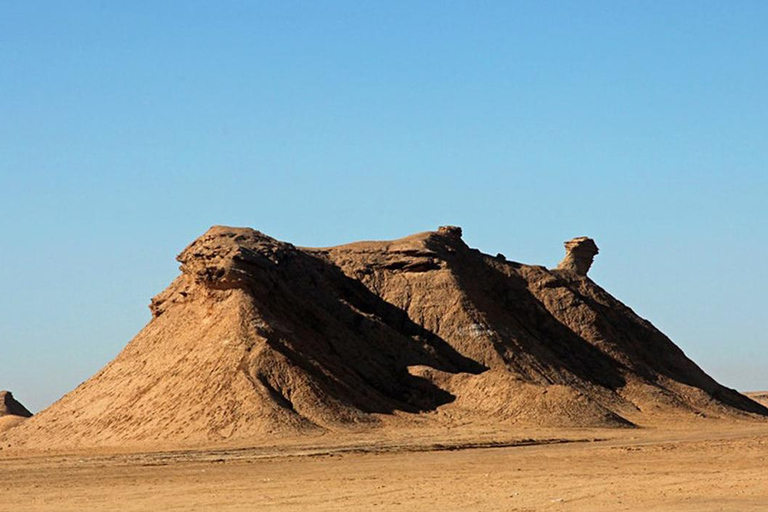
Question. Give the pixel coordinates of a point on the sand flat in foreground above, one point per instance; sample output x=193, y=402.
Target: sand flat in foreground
x=718, y=466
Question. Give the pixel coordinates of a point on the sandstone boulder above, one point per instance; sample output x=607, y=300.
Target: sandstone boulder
x=579, y=253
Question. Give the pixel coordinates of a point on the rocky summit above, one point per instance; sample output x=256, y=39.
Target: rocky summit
x=259, y=338
x=579, y=253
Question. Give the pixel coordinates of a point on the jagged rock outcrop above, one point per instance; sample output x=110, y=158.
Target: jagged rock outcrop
x=579, y=253
x=260, y=338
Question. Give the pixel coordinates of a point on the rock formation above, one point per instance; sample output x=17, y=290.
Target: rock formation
x=579, y=253
x=12, y=413
x=10, y=407
x=259, y=338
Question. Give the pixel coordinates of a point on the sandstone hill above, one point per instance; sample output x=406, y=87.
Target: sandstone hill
x=260, y=338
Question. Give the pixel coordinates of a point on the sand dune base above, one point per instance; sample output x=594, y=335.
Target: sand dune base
x=717, y=466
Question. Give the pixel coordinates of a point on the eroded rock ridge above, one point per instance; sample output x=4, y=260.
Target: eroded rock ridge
x=260, y=338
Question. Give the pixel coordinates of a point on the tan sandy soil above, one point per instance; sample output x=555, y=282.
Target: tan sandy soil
x=704, y=466
x=7, y=422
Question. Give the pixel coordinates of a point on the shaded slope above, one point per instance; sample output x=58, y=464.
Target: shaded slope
x=9, y=406
x=260, y=338
x=541, y=326
x=12, y=412
x=759, y=396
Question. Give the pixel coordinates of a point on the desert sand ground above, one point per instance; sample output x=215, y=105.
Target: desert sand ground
x=703, y=466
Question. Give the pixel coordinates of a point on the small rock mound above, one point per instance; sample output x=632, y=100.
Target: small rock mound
x=579, y=253
x=12, y=413
x=9, y=406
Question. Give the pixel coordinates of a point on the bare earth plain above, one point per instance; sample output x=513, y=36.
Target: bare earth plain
x=702, y=465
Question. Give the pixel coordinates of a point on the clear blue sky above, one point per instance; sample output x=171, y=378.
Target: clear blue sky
x=128, y=128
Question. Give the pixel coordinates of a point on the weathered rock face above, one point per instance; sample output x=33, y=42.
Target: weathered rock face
x=261, y=338
x=10, y=407
x=579, y=253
